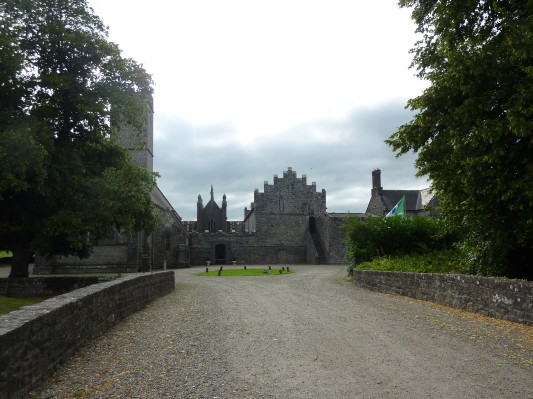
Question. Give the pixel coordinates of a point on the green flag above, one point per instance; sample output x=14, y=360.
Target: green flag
x=399, y=209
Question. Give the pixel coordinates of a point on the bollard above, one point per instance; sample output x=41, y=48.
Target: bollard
x=244, y=267
x=288, y=270
x=207, y=270
x=269, y=268
x=220, y=272
x=280, y=271
x=283, y=268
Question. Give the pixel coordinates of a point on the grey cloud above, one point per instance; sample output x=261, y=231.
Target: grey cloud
x=191, y=158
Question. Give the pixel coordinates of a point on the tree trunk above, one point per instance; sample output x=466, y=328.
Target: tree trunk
x=21, y=262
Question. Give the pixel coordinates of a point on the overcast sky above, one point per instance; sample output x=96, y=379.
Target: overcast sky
x=245, y=89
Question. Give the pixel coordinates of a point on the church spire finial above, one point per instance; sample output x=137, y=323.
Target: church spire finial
x=212, y=195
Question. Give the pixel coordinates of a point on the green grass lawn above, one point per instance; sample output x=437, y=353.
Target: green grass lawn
x=242, y=272
x=8, y=304
x=5, y=254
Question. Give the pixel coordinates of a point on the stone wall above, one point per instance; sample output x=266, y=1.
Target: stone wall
x=119, y=257
x=500, y=298
x=333, y=237
x=47, y=286
x=34, y=339
x=246, y=249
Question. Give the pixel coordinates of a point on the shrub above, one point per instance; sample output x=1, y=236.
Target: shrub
x=394, y=236
x=444, y=261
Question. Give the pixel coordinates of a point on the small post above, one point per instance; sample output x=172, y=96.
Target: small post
x=283, y=268
x=288, y=270
x=207, y=270
x=269, y=268
x=280, y=271
x=220, y=271
x=244, y=267
x=221, y=267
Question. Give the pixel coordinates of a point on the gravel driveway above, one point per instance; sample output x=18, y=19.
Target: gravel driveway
x=304, y=335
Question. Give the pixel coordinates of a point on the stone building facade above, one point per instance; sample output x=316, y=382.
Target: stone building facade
x=286, y=224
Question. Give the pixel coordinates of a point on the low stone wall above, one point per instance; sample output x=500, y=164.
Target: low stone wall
x=495, y=297
x=47, y=286
x=34, y=339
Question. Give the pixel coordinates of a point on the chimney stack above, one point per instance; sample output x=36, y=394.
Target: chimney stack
x=376, y=183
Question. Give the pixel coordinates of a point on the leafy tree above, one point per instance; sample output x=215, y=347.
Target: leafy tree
x=473, y=131
x=65, y=182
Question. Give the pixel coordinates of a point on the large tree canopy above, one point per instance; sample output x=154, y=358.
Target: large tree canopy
x=64, y=180
x=473, y=130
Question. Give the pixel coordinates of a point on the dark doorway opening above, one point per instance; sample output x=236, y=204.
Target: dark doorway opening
x=312, y=225
x=220, y=254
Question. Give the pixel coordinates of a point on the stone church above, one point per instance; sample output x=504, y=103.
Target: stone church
x=287, y=223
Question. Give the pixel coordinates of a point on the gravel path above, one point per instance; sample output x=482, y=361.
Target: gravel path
x=305, y=335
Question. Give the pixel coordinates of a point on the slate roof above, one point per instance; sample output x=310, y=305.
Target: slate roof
x=413, y=199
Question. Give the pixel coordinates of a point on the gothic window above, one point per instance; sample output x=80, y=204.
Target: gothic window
x=212, y=226
x=281, y=203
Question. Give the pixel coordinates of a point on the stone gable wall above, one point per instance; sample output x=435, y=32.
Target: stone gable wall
x=290, y=195
x=376, y=206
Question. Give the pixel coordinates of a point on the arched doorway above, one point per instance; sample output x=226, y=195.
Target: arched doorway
x=220, y=253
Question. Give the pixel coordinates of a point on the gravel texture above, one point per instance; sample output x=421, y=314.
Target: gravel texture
x=305, y=335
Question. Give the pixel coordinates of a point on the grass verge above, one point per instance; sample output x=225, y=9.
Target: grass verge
x=8, y=304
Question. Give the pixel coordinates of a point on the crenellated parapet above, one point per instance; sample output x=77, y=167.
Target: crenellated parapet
x=290, y=194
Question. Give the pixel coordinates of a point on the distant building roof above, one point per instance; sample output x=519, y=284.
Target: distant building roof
x=392, y=197
x=416, y=201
